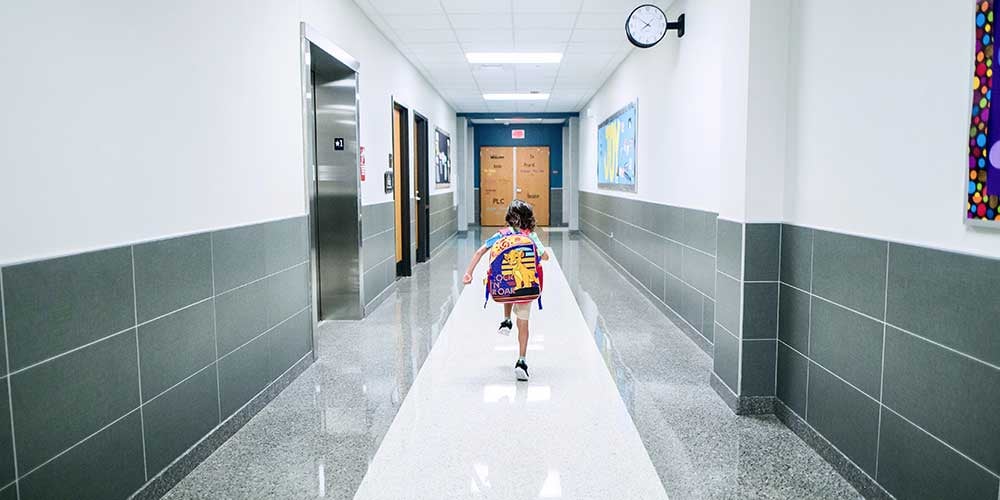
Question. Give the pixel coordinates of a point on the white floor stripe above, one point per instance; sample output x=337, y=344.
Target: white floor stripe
x=467, y=429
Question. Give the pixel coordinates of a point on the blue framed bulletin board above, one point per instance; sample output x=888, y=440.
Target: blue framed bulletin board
x=616, y=150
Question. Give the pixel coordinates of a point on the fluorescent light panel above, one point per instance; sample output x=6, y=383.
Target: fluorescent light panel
x=517, y=97
x=514, y=57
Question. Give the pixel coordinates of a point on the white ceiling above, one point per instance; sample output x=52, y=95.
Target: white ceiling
x=435, y=35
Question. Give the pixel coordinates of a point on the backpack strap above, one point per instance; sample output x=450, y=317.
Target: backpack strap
x=486, y=288
x=540, y=303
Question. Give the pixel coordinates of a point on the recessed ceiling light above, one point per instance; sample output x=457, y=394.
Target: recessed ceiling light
x=532, y=96
x=514, y=57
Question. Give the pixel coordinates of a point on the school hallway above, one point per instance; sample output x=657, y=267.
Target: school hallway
x=419, y=401
x=234, y=236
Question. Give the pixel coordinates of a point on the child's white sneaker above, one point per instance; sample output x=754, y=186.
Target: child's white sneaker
x=505, y=327
x=521, y=370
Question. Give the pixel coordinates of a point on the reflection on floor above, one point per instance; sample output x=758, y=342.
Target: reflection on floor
x=317, y=438
x=468, y=430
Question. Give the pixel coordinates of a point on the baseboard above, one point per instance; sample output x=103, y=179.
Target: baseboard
x=695, y=336
x=858, y=478
x=380, y=298
x=727, y=395
x=160, y=484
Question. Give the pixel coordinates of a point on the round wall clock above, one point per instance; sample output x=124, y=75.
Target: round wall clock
x=646, y=26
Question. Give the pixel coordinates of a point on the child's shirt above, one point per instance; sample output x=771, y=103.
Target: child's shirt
x=534, y=239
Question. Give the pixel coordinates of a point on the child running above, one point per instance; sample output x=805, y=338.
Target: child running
x=521, y=219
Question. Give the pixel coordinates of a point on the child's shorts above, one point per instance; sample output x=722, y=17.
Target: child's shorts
x=522, y=310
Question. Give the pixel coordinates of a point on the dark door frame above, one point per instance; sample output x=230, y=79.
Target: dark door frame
x=422, y=167
x=405, y=266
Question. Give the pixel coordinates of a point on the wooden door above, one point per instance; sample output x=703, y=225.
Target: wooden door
x=397, y=169
x=496, y=184
x=533, y=180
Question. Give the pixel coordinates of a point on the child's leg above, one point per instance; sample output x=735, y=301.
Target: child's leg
x=522, y=337
x=523, y=313
x=506, y=310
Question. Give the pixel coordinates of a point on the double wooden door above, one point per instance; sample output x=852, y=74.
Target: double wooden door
x=506, y=173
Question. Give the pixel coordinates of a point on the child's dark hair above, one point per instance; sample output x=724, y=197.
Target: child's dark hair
x=520, y=216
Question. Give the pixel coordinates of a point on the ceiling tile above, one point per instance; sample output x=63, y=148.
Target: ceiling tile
x=620, y=6
x=542, y=36
x=475, y=6
x=531, y=46
x=546, y=21
x=612, y=35
x=601, y=21
x=418, y=22
x=491, y=46
x=480, y=21
x=571, y=6
x=587, y=48
x=397, y=7
x=485, y=36
x=425, y=36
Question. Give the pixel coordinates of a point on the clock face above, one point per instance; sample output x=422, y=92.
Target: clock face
x=646, y=26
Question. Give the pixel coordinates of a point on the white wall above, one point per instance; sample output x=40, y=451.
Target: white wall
x=385, y=75
x=127, y=121
x=678, y=83
x=878, y=123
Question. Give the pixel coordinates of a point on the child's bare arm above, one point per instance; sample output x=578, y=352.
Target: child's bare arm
x=472, y=264
x=545, y=256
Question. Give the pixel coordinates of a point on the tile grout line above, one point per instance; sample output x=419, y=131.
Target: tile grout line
x=262, y=278
x=10, y=393
x=668, y=306
x=830, y=443
x=138, y=364
x=71, y=351
x=653, y=233
x=215, y=327
x=678, y=278
x=896, y=327
x=777, y=310
x=739, y=283
x=198, y=302
x=219, y=425
x=80, y=442
x=894, y=412
x=881, y=380
x=812, y=255
x=185, y=379
x=265, y=332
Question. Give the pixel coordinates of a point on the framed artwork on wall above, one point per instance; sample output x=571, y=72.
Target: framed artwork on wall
x=616, y=150
x=442, y=158
x=983, y=175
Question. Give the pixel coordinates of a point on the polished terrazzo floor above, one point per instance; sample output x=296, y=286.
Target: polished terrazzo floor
x=317, y=438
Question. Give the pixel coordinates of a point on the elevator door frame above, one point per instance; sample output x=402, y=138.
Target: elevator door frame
x=309, y=37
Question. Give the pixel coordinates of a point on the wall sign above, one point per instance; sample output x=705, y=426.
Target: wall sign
x=982, y=200
x=338, y=143
x=517, y=133
x=616, y=150
x=387, y=178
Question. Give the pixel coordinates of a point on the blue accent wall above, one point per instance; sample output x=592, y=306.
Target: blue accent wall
x=534, y=135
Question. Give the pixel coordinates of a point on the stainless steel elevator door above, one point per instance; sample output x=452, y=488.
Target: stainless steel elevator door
x=337, y=210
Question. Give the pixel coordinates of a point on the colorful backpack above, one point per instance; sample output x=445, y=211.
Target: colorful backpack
x=515, y=273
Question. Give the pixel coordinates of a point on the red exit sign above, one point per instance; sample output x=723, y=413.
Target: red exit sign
x=517, y=133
